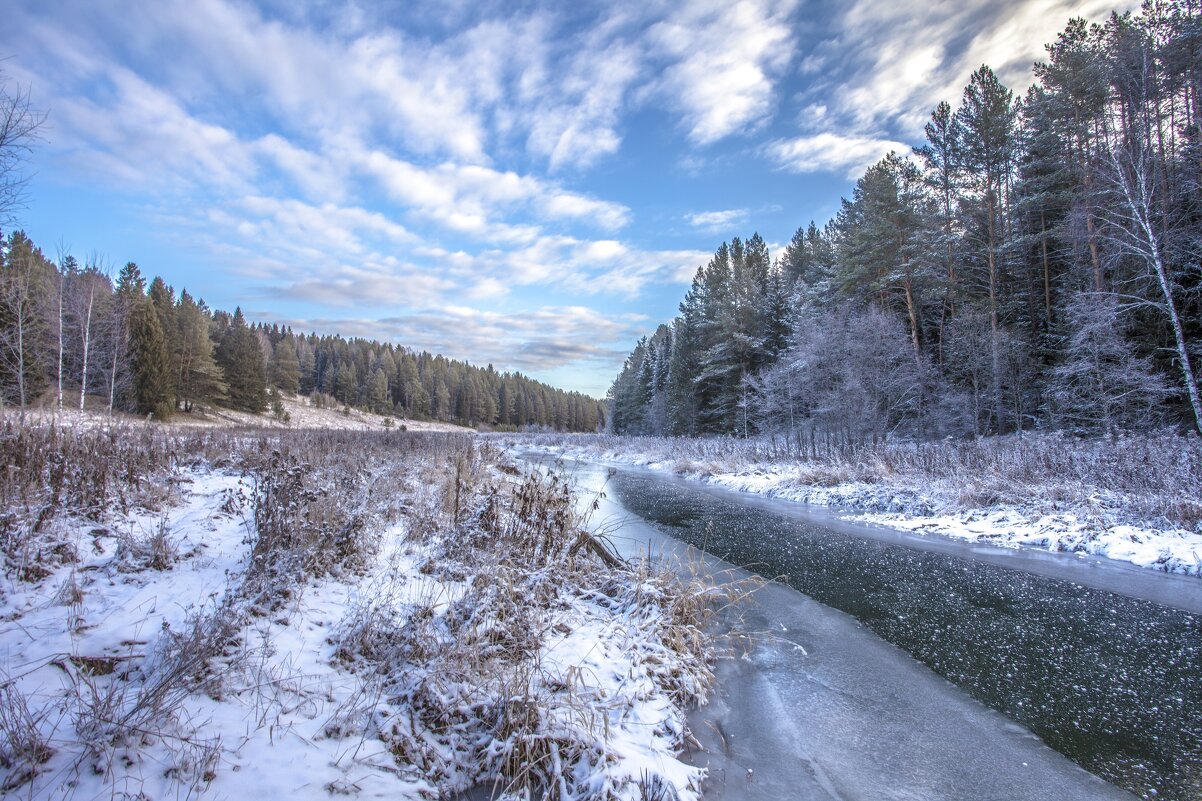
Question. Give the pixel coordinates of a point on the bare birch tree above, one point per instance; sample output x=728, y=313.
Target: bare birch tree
x=1134, y=226
x=18, y=297
x=19, y=124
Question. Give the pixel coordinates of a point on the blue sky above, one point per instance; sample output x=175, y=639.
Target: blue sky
x=527, y=184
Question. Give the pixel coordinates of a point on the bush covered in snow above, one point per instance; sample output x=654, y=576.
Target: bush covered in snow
x=275, y=610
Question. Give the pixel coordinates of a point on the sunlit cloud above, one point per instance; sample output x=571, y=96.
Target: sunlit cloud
x=718, y=219
x=726, y=58
x=830, y=151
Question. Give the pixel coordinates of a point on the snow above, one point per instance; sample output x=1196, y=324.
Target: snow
x=301, y=412
x=285, y=712
x=1100, y=529
x=266, y=725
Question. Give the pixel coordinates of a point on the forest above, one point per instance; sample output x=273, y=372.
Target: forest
x=69, y=332
x=1035, y=264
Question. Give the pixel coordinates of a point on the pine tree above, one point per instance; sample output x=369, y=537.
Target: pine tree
x=241, y=361
x=150, y=361
x=285, y=367
x=985, y=126
x=884, y=243
x=200, y=379
x=941, y=161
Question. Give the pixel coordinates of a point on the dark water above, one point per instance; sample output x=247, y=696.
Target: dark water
x=1111, y=681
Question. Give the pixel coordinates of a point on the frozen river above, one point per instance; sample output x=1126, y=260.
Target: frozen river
x=891, y=666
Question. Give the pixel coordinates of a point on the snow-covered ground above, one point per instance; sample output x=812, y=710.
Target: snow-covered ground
x=1100, y=523
x=301, y=414
x=82, y=645
x=135, y=663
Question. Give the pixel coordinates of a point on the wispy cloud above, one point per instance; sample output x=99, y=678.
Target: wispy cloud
x=724, y=62
x=718, y=219
x=849, y=155
x=888, y=65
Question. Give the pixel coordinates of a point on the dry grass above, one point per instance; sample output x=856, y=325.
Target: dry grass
x=461, y=658
x=116, y=707
x=452, y=656
x=24, y=746
x=1154, y=477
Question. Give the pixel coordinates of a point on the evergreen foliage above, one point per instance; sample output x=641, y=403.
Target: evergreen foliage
x=143, y=349
x=241, y=361
x=150, y=361
x=1034, y=264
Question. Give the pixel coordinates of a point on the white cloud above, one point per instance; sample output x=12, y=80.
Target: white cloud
x=724, y=61
x=718, y=219
x=568, y=205
x=577, y=105
x=892, y=63
x=472, y=199
x=832, y=152
x=143, y=136
x=591, y=267
x=530, y=339
x=357, y=285
x=336, y=227
x=316, y=176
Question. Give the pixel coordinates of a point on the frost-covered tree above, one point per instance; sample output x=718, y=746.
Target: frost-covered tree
x=1103, y=384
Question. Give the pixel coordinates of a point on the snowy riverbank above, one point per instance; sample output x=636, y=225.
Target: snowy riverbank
x=1068, y=516
x=327, y=614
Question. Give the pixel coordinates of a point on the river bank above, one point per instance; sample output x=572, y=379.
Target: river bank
x=1088, y=656
x=1133, y=501
x=202, y=613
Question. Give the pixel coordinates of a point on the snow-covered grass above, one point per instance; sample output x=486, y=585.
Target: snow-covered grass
x=187, y=614
x=301, y=412
x=1132, y=498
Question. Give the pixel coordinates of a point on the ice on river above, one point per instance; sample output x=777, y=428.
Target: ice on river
x=1102, y=531
x=822, y=708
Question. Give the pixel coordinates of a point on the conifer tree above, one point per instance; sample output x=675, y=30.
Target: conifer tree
x=377, y=392
x=285, y=367
x=162, y=299
x=150, y=361
x=241, y=362
x=347, y=383
x=985, y=126
x=200, y=379
x=24, y=276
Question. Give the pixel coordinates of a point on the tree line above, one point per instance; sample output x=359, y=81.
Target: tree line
x=69, y=332
x=1036, y=263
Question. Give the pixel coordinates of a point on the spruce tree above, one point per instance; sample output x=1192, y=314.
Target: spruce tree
x=150, y=361
x=162, y=299
x=285, y=367
x=200, y=379
x=377, y=392
x=241, y=360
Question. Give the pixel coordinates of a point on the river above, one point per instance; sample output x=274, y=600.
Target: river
x=893, y=666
